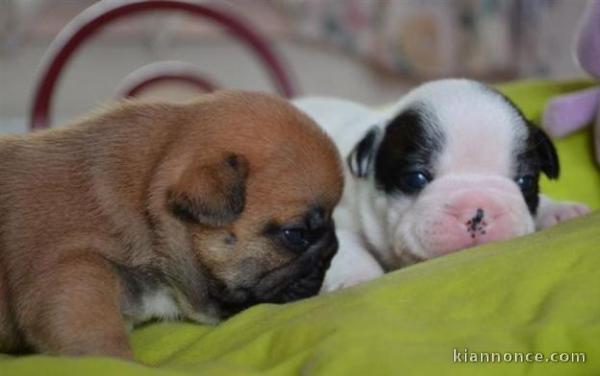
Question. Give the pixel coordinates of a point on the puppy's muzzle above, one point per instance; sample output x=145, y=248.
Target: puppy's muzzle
x=296, y=280
x=303, y=277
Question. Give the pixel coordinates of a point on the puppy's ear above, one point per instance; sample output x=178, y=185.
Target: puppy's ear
x=360, y=160
x=545, y=151
x=211, y=192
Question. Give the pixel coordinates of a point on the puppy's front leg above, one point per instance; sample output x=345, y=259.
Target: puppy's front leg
x=353, y=264
x=73, y=308
x=551, y=212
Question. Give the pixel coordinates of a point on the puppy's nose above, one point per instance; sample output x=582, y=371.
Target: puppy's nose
x=328, y=245
x=476, y=225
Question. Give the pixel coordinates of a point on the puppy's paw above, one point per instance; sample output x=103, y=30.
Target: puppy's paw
x=556, y=212
x=352, y=265
x=342, y=284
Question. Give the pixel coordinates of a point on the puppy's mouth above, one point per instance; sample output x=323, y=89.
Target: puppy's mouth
x=300, y=279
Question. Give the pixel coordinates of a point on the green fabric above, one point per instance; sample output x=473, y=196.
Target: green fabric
x=539, y=293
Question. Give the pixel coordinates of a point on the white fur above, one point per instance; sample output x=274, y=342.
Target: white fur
x=378, y=231
x=155, y=304
x=159, y=304
x=164, y=304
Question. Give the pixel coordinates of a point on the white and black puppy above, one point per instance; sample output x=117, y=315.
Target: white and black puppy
x=452, y=165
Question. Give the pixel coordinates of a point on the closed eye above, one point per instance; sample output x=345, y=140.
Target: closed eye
x=299, y=239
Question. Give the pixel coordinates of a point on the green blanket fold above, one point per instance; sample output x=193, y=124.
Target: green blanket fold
x=535, y=294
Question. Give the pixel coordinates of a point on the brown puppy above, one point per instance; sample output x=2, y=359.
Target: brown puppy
x=146, y=211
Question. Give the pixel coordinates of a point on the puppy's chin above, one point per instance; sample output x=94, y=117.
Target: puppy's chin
x=299, y=279
x=452, y=214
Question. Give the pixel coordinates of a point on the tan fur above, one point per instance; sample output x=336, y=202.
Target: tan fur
x=76, y=201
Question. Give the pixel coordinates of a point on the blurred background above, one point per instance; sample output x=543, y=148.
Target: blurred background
x=370, y=51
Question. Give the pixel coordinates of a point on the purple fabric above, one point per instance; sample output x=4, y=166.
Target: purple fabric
x=588, y=45
x=567, y=113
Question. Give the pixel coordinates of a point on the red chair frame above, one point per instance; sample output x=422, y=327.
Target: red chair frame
x=164, y=71
x=90, y=21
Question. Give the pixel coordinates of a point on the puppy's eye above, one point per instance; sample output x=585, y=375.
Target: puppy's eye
x=414, y=181
x=296, y=238
x=299, y=239
x=525, y=183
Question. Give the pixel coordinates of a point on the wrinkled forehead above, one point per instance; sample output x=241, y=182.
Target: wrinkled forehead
x=308, y=180
x=482, y=133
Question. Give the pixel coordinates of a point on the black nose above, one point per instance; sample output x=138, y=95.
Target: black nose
x=478, y=216
x=321, y=253
x=303, y=277
x=477, y=223
x=333, y=245
x=327, y=246
x=309, y=281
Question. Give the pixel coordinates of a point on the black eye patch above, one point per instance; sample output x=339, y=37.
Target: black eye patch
x=537, y=155
x=534, y=156
x=411, y=144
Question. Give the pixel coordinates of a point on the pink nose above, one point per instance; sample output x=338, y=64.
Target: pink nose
x=469, y=219
x=481, y=219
